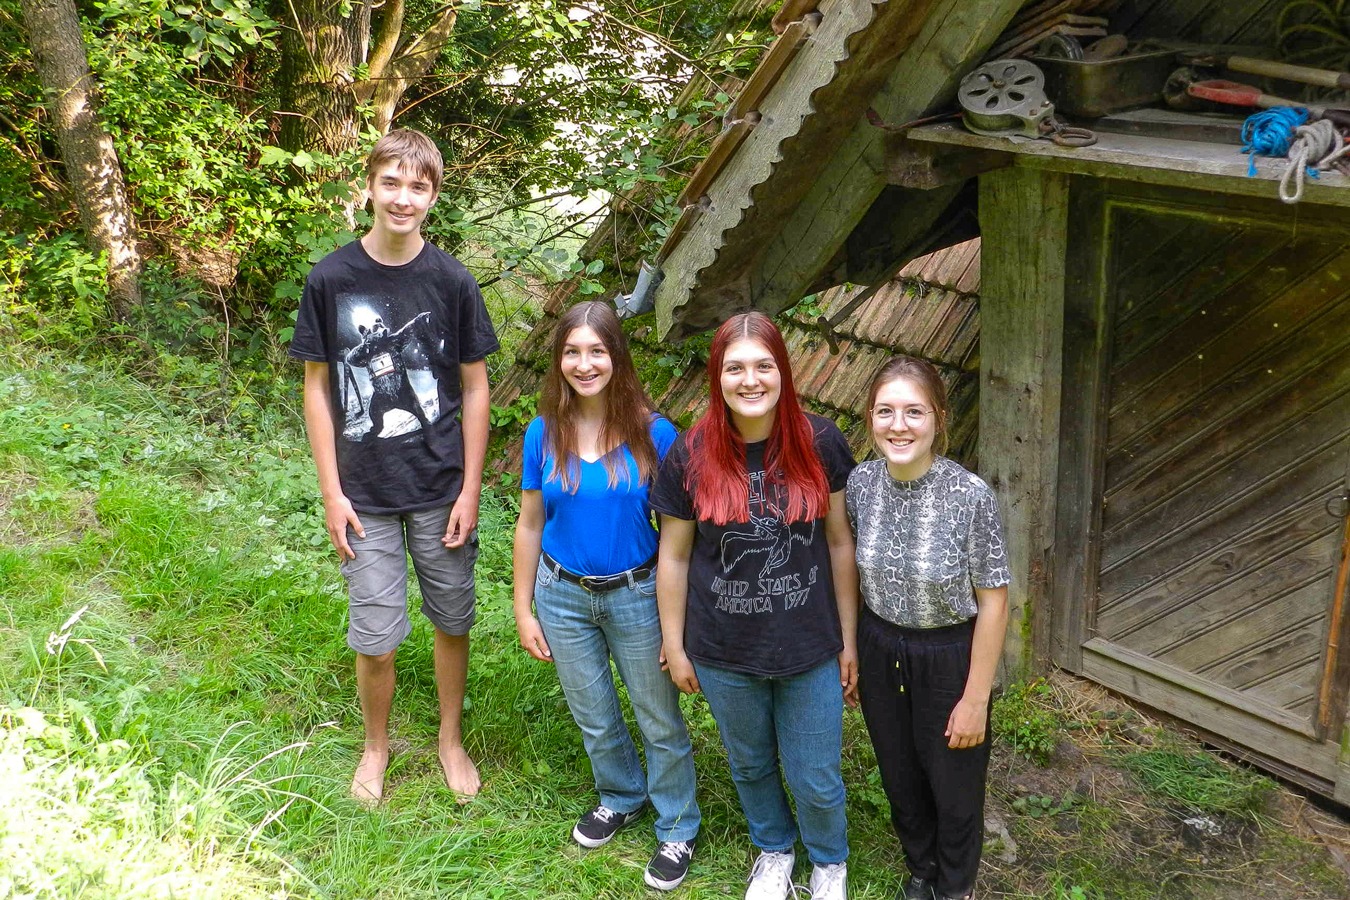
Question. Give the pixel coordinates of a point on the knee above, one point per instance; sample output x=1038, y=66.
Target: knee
x=818, y=788
x=378, y=662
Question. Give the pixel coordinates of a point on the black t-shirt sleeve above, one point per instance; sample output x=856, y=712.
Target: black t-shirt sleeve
x=477, y=339
x=309, y=341
x=669, y=496
x=835, y=453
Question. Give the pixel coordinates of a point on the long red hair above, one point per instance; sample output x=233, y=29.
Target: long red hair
x=717, y=476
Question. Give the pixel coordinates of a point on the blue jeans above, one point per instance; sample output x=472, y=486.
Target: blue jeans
x=583, y=631
x=791, y=726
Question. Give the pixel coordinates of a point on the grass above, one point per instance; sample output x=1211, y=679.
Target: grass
x=177, y=704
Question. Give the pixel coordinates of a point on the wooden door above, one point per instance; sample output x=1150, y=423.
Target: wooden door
x=1219, y=447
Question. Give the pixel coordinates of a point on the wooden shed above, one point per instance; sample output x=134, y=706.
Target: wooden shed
x=1164, y=352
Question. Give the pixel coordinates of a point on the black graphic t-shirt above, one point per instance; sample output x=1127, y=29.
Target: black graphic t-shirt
x=394, y=338
x=761, y=593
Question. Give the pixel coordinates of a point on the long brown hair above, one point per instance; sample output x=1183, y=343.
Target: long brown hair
x=927, y=379
x=716, y=475
x=628, y=409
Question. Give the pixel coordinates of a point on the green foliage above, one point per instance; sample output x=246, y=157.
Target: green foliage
x=516, y=414
x=1025, y=719
x=1200, y=782
x=1038, y=806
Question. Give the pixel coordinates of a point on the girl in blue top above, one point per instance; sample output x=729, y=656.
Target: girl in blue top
x=584, y=582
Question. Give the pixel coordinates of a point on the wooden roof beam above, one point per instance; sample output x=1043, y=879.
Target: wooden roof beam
x=954, y=37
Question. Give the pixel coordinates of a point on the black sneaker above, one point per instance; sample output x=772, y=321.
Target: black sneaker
x=599, y=825
x=917, y=889
x=669, y=865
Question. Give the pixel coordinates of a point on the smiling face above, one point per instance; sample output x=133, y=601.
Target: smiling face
x=400, y=199
x=585, y=362
x=904, y=424
x=751, y=384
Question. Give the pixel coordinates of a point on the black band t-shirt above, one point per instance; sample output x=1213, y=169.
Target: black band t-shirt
x=394, y=338
x=761, y=593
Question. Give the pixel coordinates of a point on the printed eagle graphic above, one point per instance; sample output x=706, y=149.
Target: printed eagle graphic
x=768, y=535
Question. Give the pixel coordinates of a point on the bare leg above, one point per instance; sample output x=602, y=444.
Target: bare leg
x=375, y=688
x=452, y=671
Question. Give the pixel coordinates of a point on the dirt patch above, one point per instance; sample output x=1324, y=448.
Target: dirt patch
x=1086, y=824
x=29, y=515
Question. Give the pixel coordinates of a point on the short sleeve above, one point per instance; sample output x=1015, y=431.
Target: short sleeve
x=308, y=342
x=851, y=493
x=986, y=552
x=477, y=339
x=669, y=496
x=663, y=433
x=532, y=456
x=835, y=454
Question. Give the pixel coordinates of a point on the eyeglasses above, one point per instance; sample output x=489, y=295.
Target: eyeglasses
x=913, y=415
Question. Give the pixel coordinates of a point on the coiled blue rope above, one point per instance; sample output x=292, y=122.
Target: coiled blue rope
x=1270, y=133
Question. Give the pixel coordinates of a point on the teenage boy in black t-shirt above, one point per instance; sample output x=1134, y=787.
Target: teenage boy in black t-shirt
x=394, y=333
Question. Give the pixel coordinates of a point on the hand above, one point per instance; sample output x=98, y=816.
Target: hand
x=848, y=675
x=338, y=514
x=966, y=725
x=532, y=638
x=463, y=520
x=681, y=670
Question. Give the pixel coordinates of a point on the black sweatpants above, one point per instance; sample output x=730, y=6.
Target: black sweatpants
x=909, y=681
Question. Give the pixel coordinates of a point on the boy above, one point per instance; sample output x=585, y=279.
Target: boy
x=394, y=333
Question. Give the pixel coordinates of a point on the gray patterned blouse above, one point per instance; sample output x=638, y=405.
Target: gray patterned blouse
x=924, y=545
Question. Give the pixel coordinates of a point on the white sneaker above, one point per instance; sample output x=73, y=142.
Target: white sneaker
x=771, y=876
x=830, y=882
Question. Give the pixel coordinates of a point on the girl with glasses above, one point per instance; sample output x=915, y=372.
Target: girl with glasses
x=934, y=579
x=585, y=559
x=758, y=596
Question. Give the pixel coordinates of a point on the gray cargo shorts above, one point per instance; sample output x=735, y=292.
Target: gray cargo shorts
x=377, y=579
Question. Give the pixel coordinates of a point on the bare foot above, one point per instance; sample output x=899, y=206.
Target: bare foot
x=461, y=775
x=368, y=782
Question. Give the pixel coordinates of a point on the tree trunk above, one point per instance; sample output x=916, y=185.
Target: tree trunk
x=86, y=148
x=320, y=51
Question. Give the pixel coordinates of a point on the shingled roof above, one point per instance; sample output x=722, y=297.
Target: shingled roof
x=930, y=310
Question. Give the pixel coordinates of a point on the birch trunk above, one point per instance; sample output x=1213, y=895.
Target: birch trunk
x=87, y=150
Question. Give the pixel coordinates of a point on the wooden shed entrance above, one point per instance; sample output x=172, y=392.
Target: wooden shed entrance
x=1217, y=342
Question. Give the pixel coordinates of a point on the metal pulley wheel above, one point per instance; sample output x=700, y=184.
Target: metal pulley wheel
x=1005, y=97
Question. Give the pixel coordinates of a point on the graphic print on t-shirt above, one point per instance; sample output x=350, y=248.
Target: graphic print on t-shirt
x=766, y=536
x=387, y=388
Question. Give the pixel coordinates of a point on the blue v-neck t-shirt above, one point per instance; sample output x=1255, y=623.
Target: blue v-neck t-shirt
x=598, y=529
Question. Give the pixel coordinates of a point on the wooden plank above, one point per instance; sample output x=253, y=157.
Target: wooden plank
x=1243, y=253
x=927, y=166
x=1021, y=323
x=813, y=75
x=1145, y=611
x=1154, y=622
x=1282, y=670
x=1087, y=321
x=1240, y=454
x=772, y=66
x=722, y=149
x=1216, y=337
x=1267, y=730
x=791, y=11
x=1150, y=160
x=1179, y=418
x=1334, y=687
x=1224, y=535
x=955, y=33
x=1222, y=516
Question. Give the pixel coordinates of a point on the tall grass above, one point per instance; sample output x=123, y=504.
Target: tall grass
x=211, y=655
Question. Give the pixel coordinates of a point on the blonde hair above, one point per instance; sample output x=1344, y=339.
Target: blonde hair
x=413, y=151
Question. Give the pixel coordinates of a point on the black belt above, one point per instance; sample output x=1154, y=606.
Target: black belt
x=598, y=584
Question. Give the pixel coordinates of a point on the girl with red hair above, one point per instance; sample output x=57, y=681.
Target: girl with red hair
x=758, y=594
